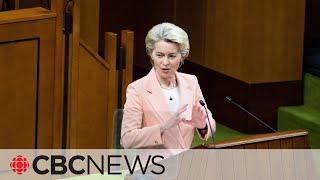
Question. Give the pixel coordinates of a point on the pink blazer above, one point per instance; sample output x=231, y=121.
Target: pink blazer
x=146, y=108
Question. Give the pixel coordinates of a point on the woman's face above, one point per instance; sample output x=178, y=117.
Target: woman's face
x=166, y=59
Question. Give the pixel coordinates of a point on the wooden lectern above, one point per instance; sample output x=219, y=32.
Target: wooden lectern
x=295, y=139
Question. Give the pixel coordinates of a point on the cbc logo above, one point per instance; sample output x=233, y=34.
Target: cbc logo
x=60, y=164
x=19, y=164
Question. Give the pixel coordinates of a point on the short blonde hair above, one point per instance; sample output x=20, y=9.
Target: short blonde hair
x=170, y=33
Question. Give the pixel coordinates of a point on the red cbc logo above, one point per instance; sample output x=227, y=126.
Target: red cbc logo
x=19, y=164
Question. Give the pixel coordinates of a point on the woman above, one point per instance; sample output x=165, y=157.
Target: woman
x=162, y=109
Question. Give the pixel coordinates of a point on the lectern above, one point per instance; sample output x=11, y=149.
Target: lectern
x=294, y=139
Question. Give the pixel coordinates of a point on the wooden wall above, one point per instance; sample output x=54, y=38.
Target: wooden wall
x=252, y=41
x=89, y=22
x=255, y=41
x=22, y=4
x=89, y=9
x=27, y=61
x=91, y=126
x=190, y=16
x=93, y=84
x=17, y=113
x=138, y=16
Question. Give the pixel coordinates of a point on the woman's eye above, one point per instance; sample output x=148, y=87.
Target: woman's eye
x=159, y=55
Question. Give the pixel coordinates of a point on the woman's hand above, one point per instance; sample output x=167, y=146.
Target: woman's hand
x=198, y=117
x=174, y=120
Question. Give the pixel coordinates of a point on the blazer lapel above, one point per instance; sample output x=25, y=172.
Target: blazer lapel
x=186, y=96
x=156, y=97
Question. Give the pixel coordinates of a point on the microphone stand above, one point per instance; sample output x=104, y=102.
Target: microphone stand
x=229, y=99
x=204, y=105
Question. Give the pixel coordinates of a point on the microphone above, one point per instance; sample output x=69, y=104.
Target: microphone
x=229, y=99
x=204, y=105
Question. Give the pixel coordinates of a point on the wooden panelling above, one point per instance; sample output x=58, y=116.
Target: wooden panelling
x=127, y=39
x=40, y=24
x=115, y=16
x=263, y=99
x=303, y=142
x=255, y=42
x=273, y=44
x=25, y=15
x=89, y=22
x=250, y=146
x=34, y=3
x=18, y=93
x=277, y=140
x=137, y=16
x=92, y=101
x=57, y=7
x=111, y=56
x=274, y=145
x=263, y=145
x=93, y=87
x=286, y=143
x=194, y=25
x=74, y=77
x=16, y=4
x=96, y=99
x=223, y=38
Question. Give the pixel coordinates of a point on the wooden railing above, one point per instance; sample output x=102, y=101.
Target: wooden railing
x=96, y=89
x=92, y=81
x=96, y=96
x=127, y=43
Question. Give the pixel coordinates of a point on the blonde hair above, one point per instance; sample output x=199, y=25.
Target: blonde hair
x=169, y=33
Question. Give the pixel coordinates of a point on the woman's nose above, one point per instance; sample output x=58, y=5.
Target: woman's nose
x=165, y=61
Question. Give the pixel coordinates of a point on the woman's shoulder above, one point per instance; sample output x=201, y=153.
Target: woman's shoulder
x=139, y=84
x=188, y=77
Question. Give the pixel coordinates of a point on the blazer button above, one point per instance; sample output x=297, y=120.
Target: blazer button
x=156, y=142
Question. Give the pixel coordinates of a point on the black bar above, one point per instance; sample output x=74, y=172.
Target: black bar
x=120, y=59
x=120, y=75
x=67, y=31
x=37, y=97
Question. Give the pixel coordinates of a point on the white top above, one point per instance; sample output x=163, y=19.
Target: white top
x=172, y=97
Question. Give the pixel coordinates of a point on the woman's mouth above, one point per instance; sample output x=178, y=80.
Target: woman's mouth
x=165, y=70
